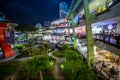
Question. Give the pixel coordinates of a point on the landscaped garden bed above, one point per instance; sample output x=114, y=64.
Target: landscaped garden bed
x=74, y=68
x=59, y=54
x=38, y=68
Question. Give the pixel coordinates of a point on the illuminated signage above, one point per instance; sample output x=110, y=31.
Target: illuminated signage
x=109, y=2
x=110, y=26
x=104, y=7
x=60, y=25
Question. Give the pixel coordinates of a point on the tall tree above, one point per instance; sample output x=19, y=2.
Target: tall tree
x=74, y=34
x=77, y=2
x=88, y=18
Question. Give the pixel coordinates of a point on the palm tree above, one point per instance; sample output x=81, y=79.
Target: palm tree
x=73, y=24
x=88, y=17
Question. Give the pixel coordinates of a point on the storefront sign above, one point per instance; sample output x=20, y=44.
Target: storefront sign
x=110, y=26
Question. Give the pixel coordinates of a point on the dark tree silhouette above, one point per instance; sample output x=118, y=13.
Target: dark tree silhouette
x=26, y=28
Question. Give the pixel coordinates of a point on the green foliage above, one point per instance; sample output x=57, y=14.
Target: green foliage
x=43, y=50
x=19, y=47
x=25, y=28
x=66, y=47
x=78, y=70
x=59, y=54
x=35, y=51
x=33, y=66
x=72, y=55
x=24, y=52
x=75, y=66
x=30, y=50
x=46, y=45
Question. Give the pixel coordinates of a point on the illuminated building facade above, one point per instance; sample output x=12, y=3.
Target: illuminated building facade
x=63, y=9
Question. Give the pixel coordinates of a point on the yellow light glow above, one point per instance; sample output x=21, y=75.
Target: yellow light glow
x=62, y=66
x=51, y=63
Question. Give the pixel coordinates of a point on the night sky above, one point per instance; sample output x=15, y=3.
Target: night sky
x=31, y=11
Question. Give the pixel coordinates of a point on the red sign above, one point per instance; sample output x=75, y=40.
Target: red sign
x=6, y=49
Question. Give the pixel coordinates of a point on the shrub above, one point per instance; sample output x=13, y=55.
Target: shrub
x=75, y=69
x=71, y=55
x=37, y=64
x=59, y=54
x=19, y=47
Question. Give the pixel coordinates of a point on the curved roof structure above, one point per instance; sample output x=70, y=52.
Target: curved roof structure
x=58, y=21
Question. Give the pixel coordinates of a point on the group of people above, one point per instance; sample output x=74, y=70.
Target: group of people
x=112, y=69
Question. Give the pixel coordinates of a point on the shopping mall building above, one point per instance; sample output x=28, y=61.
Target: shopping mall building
x=105, y=30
